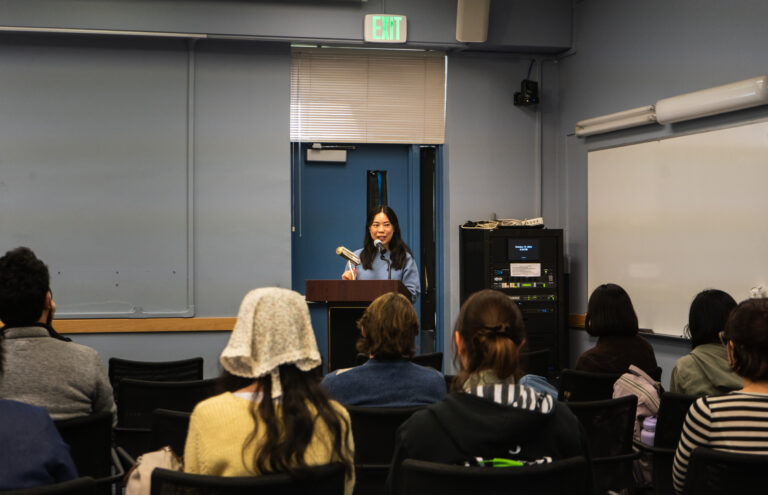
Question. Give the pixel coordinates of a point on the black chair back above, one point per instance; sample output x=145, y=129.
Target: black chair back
x=714, y=472
x=672, y=411
x=566, y=476
x=170, y=428
x=90, y=445
x=139, y=398
x=449, y=381
x=584, y=386
x=79, y=486
x=537, y=362
x=156, y=371
x=609, y=425
x=373, y=430
x=320, y=480
x=669, y=424
x=432, y=360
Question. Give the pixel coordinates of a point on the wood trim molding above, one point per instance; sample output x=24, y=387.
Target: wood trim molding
x=576, y=321
x=141, y=325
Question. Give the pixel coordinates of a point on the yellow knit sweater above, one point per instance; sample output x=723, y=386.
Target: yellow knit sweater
x=218, y=429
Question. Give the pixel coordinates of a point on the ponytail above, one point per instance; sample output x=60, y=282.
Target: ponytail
x=491, y=329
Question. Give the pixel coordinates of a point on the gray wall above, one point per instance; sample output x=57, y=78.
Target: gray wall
x=629, y=54
x=239, y=94
x=625, y=54
x=490, y=155
x=543, y=26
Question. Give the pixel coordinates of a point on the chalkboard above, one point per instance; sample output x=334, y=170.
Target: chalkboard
x=95, y=174
x=671, y=217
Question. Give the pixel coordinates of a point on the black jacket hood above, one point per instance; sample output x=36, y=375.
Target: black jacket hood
x=505, y=430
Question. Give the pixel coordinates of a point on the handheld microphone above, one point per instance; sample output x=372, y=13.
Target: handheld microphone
x=348, y=255
x=379, y=245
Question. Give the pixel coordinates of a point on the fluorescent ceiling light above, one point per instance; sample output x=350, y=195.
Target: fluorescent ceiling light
x=615, y=121
x=712, y=101
x=721, y=99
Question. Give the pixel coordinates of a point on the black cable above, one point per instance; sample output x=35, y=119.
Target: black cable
x=533, y=60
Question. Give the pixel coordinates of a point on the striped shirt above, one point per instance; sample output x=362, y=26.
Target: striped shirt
x=736, y=422
x=514, y=395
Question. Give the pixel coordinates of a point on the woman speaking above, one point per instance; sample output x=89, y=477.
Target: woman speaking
x=384, y=255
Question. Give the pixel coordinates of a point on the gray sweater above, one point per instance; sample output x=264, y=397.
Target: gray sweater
x=67, y=379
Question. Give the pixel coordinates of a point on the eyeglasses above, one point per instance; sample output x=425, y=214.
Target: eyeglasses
x=723, y=339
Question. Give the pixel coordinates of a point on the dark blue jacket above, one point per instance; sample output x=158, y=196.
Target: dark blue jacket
x=32, y=452
x=380, y=383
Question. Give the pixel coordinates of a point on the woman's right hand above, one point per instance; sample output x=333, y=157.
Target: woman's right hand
x=348, y=275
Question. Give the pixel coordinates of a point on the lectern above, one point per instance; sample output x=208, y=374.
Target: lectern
x=346, y=301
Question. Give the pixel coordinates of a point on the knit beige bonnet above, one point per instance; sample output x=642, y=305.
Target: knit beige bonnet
x=273, y=328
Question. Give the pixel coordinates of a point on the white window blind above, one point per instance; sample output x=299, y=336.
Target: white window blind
x=367, y=96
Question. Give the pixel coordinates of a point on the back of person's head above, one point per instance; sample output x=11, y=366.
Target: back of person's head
x=24, y=283
x=389, y=327
x=746, y=333
x=610, y=313
x=707, y=316
x=273, y=344
x=491, y=330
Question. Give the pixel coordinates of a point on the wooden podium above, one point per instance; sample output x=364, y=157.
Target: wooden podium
x=346, y=301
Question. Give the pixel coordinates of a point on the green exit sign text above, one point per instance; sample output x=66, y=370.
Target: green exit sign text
x=385, y=28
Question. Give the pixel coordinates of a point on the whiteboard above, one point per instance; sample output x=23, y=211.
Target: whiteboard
x=95, y=176
x=672, y=217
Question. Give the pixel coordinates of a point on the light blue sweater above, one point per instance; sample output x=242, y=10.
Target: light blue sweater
x=409, y=275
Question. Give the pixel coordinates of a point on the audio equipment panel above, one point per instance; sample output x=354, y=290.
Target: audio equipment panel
x=527, y=265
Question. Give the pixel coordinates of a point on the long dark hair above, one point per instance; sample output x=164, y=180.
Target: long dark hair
x=707, y=316
x=287, y=436
x=491, y=328
x=398, y=249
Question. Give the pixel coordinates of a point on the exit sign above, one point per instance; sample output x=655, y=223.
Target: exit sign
x=385, y=28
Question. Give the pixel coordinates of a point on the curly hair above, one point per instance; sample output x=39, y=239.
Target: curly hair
x=24, y=283
x=390, y=324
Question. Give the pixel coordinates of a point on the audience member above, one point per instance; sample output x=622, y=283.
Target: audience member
x=705, y=370
x=278, y=418
x=737, y=421
x=492, y=416
x=43, y=368
x=611, y=318
x=388, y=379
x=32, y=452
